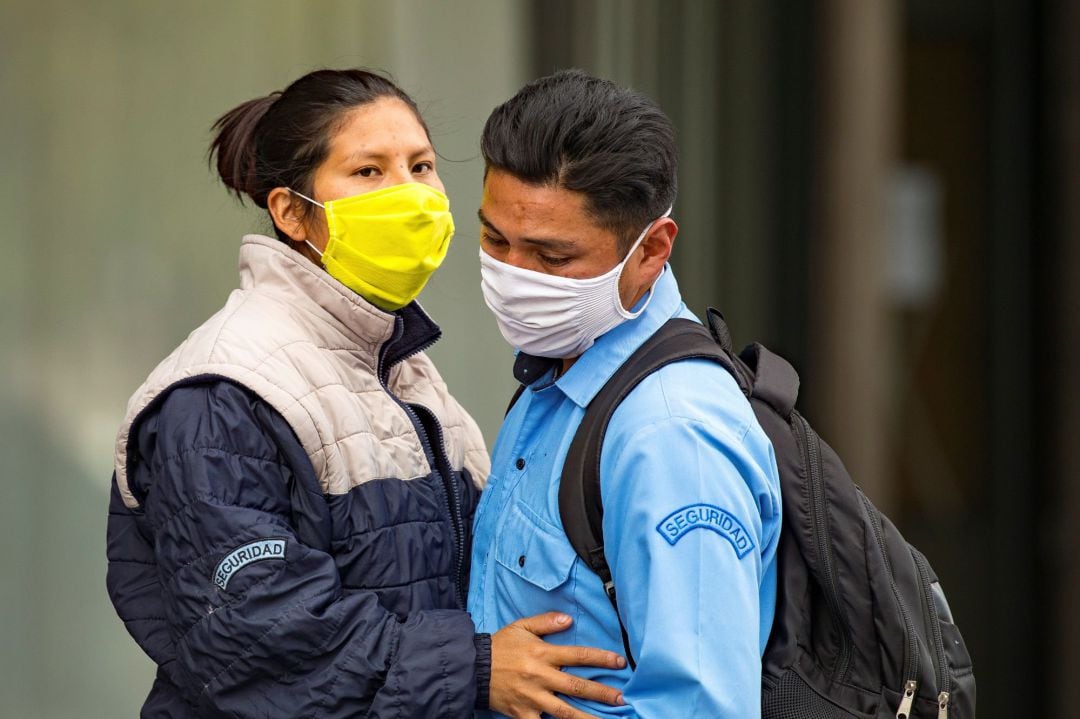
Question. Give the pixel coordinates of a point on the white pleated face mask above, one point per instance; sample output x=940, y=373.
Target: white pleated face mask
x=550, y=316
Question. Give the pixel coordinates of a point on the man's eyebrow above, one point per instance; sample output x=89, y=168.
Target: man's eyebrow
x=487, y=223
x=546, y=243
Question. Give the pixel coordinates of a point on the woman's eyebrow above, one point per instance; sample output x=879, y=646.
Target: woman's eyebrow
x=365, y=154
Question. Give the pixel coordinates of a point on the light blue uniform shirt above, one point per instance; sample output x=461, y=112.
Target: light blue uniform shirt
x=691, y=524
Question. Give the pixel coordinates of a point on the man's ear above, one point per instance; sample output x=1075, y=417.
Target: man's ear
x=656, y=247
x=287, y=211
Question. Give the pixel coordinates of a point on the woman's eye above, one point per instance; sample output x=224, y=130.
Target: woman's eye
x=423, y=167
x=368, y=171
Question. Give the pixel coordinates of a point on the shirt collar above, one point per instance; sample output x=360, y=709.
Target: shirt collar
x=596, y=366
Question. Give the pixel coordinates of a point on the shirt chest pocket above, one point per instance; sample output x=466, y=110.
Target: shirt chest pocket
x=534, y=558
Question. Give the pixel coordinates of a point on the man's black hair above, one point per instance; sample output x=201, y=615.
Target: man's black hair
x=582, y=133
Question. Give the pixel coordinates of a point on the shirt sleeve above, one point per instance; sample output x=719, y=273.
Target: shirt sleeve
x=222, y=474
x=686, y=520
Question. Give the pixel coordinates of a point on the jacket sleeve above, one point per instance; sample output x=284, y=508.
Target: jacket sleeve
x=685, y=538
x=248, y=586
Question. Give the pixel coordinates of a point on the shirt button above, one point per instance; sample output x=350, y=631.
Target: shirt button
x=521, y=561
x=520, y=463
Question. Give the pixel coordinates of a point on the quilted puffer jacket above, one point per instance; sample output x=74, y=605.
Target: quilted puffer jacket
x=291, y=511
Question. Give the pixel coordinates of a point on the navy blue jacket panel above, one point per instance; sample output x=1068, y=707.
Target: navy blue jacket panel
x=260, y=596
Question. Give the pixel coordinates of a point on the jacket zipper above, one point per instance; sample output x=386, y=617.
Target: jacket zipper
x=453, y=499
x=819, y=517
x=940, y=661
x=453, y=503
x=911, y=657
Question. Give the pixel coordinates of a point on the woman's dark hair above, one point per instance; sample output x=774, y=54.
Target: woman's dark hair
x=582, y=133
x=281, y=139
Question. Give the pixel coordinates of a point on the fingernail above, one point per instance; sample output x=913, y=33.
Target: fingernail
x=620, y=662
x=562, y=619
x=621, y=702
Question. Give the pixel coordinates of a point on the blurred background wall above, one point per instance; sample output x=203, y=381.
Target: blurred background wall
x=886, y=191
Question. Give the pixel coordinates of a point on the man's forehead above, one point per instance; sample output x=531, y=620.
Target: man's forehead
x=539, y=211
x=512, y=193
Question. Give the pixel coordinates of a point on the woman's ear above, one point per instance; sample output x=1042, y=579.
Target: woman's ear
x=288, y=214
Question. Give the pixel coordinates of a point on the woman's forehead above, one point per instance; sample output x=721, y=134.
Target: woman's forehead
x=378, y=130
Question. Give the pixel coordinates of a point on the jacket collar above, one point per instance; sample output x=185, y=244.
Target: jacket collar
x=270, y=266
x=596, y=366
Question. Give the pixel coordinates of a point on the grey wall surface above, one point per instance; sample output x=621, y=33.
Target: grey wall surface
x=117, y=241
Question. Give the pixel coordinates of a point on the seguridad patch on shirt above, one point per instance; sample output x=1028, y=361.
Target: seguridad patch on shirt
x=676, y=525
x=257, y=551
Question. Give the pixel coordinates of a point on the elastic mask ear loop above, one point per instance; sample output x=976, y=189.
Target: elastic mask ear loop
x=315, y=202
x=644, y=232
x=627, y=314
x=319, y=204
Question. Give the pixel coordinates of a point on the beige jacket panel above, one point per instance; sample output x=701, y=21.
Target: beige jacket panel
x=309, y=347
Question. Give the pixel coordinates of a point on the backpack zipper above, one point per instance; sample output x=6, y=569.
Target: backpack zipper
x=904, y=710
x=819, y=517
x=943, y=705
x=911, y=657
x=940, y=661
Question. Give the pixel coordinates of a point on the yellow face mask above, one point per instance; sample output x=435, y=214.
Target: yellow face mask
x=385, y=244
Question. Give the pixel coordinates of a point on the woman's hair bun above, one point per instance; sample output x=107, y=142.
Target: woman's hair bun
x=234, y=146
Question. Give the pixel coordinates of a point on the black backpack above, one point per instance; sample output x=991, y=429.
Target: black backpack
x=862, y=627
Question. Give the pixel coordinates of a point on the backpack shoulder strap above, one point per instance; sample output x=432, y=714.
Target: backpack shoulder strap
x=580, y=503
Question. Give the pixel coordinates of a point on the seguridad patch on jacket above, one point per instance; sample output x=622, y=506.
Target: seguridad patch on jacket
x=679, y=523
x=258, y=551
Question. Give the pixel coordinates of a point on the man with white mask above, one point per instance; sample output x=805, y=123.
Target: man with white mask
x=580, y=180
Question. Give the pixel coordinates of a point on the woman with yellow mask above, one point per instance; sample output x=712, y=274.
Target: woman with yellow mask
x=294, y=485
